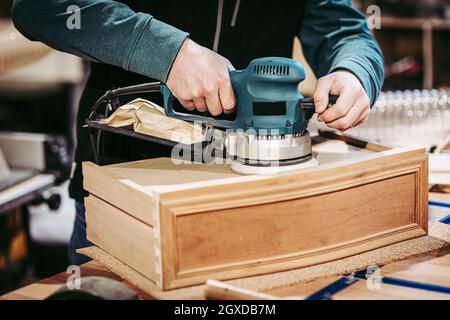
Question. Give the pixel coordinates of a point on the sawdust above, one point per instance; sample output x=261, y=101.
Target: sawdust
x=439, y=237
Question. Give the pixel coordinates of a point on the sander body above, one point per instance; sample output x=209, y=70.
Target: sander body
x=267, y=133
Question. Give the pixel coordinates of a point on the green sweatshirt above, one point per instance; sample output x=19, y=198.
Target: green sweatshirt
x=125, y=36
x=333, y=34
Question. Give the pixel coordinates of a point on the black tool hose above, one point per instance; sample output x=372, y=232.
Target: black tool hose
x=114, y=93
x=140, y=88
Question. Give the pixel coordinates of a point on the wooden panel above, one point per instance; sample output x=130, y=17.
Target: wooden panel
x=163, y=171
x=211, y=223
x=286, y=227
x=130, y=186
x=134, y=186
x=108, y=187
x=255, y=227
x=124, y=237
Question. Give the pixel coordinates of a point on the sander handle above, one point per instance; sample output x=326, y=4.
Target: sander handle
x=230, y=122
x=264, y=83
x=309, y=109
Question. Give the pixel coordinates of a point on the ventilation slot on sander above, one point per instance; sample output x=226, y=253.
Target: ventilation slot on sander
x=277, y=70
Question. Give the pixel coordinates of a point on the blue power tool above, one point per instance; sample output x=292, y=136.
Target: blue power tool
x=267, y=95
x=268, y=131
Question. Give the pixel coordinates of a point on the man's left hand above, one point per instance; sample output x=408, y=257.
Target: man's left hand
x=352, y=106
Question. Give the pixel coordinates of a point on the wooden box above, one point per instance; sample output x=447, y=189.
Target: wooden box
x=180, y=225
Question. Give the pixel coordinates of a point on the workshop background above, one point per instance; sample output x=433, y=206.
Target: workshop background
x=40, y=89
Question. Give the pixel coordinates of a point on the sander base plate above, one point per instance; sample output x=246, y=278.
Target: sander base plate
x=247, y=169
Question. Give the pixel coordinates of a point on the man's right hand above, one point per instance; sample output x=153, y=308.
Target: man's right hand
x=200, y=80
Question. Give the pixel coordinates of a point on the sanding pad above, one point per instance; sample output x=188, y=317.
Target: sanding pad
x=246, y=169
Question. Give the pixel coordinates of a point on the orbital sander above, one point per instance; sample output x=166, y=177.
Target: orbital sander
x=267, y=133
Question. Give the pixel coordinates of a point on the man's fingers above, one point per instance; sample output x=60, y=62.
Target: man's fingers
x=361, y=121
x=187, y=104
x=213, y=103
x=343, y=104
x=201, y=75
x=354, y=115
x=321, y=93
x=200, y=104
x=352, y=106
x=363, y=117
x=227, y=98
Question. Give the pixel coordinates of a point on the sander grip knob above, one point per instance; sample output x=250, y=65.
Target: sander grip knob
x=308, y=107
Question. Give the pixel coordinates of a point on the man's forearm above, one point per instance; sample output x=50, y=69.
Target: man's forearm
x=110, y=32
x=335, y=36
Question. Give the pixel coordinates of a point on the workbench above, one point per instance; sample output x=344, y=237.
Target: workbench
x=43, y=288
x=431, y=270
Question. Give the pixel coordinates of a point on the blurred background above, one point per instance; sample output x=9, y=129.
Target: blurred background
x=40, y=89
x=39, y=92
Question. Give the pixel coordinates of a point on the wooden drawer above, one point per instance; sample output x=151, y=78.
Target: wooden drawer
x=181, y=225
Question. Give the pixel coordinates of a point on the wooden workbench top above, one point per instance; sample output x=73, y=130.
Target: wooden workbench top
x=432, y=268
x=43, y=288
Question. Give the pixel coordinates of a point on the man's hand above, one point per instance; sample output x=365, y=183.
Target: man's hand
x=199, y=79
x=352, y=107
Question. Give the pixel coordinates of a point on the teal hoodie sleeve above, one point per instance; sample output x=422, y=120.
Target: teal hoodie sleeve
x=110, y=32
x=334, y=35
